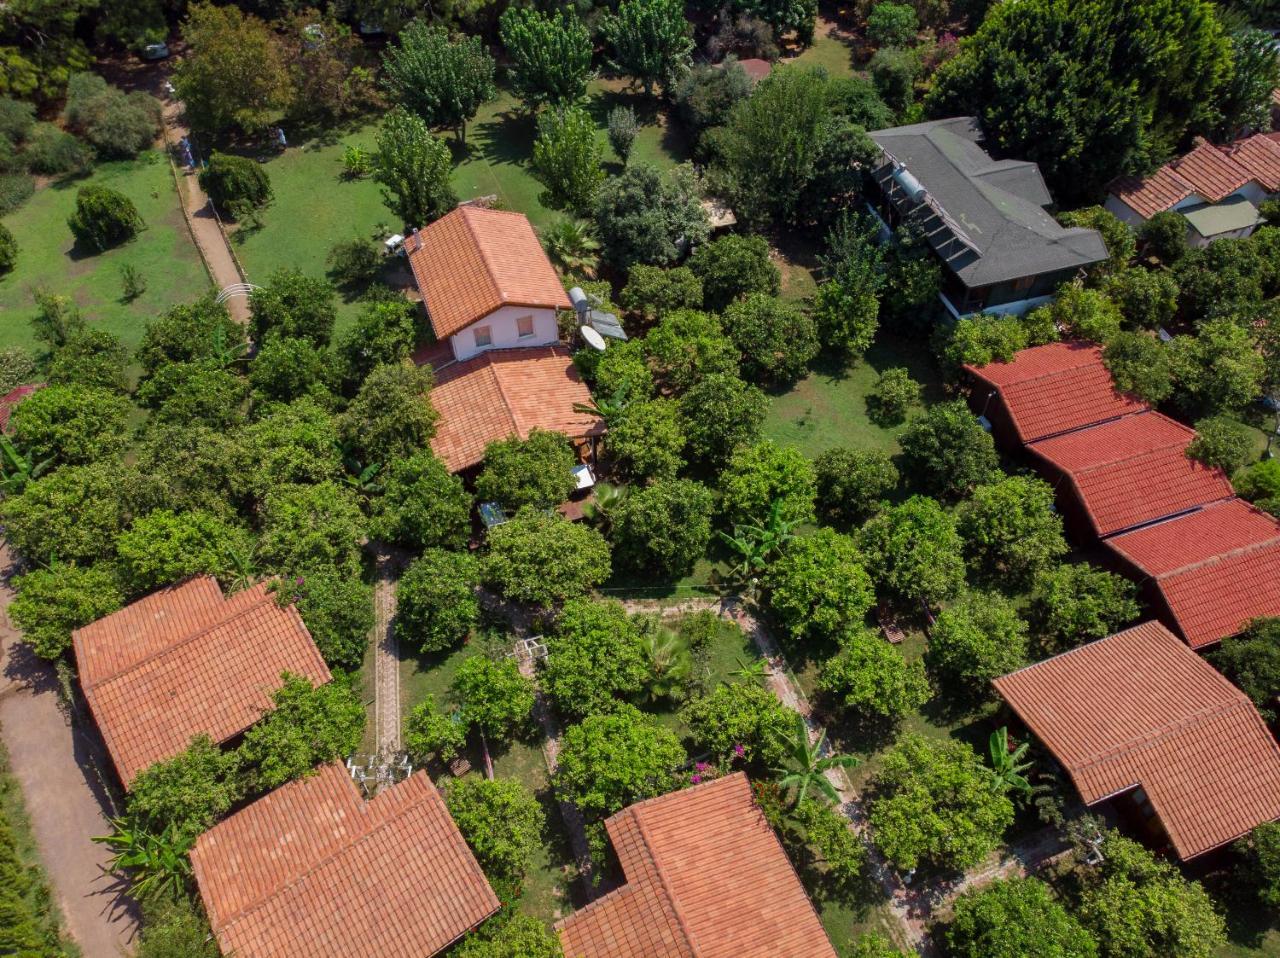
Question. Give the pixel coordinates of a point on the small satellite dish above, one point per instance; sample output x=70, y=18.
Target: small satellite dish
x=593, y=339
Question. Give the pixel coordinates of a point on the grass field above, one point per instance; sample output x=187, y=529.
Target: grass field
x=315, y=206
x=163, y=253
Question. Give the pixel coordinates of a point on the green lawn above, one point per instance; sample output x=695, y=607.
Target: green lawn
x=315, y=206
x=830, y=49
x=829, y=406
x=163, y=253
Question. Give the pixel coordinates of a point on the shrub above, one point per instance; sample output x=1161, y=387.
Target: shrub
x=852, y=484
x=1164, y=236
x=1014, y=917
x=1222, y=442
x=664, y=529
x=646, y=215
x=357, y=163
x=297, y=443
x=90, y=357
x=818, y=587
x=51, y=152
x=892, y=24
x=947, y=452
x=614, y=759
x=286, y=369
x=501, y=820
x=437, y=603
x=1261, y=853
x=595, y=659
x=537, y=471
x=973, y=641
x=777, y=340
x=52, y=602
x=8, y=250
x=429, y=731
x=236, y=184
x=983, y=339
x=355, y=262
x=894, y=71
x=118, y=124
x=1148, y=298
x=103, y=218
x=893, y=394
x=1261, y=481
x=622, y=127
x=187, y=333
x=15, y=189
x=385, y=331
x=732, y=267
x=16, y=119
x=759, y=474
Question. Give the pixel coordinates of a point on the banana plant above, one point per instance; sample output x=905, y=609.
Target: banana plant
x=607, y=408
x=756, y=544
x=807, y=765
x=359, y=476
x=243, y=571
x=599, y=509
x=1008, y=770
x=226, y=353
x=754, y=671
x=17, y=469
x=157, y=861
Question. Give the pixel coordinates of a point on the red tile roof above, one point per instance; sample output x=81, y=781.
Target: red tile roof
x=1139, y=708
x=1259, y=156
x=314, y=871
x=1148, y=195
x=186, y=661
x=1208, y=171
x=1217, y=568
x=706, y=878
x=1055, y=388
x=10, y=400
x=1133, y=470
x=473, y=260
x=504, y=393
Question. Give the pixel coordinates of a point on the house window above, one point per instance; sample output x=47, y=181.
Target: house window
x=484, y=337
x=1023, y=283
x=524, y=327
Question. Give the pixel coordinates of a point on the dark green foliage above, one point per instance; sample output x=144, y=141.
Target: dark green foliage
x=195, y=393
x=1261, y=853
x=354, y=263
x=437, y=603
x=649, y=216
x=1148, y=298
x=650, y=41
x=71, y=424
x=1077, y=603
x=164, y=547
x=1164, y=236
x=646, y=440
x=16, y=119
x=385, y=331
x=892, y=24
x=978, y=638
x=739, y=714
x=1223, y=442
x=932, y=804
x=413, y=168
x=652, y=292
x=91, y=357
x=429, y=731
x=533, y=472
x=73, y=514
x=1252, y=662
x=709, y=92
x=306, y=527
x=817, y=587
x=391, y=416
x=176, y=930
x=422, y=505
x=719, y=414
x=757, y=475
x=1010, y=530
x=443, y=80
x=663, y=529
x=616, y=758
x=550, y=56
x=892, y=397
x=53, y=152
x=103, y=218
x=1219, y=370
x=286, y=369
x=913, y=552
x=870, y=681
x=27, y=929
x=292, y=304
x=501, y=820
x=52, y=602
x=337, y=608
x=192, y=467
x=15, y=189
x=979, y=340
x=189, y=333
x=1116, y=234
x=946, y=451
x=734, y=266
x=1012, y=918
x=236, y=184
x=894, y=72
x=595, y=658
x=495, y=697
x=308, y=726
x=189, y=792
x=1223, y=274
x=686, y=346
x=9, y=251
x=852, y=484
x=777, y=339
x=1245, y=99
x=1140, y=364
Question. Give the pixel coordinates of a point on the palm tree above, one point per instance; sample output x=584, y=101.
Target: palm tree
x=1008, y=768
x=808, y=765
x=669, y=663
x=158, y=861
x=572, y=246
x=755, y=670
x=17, y=469
x=605, y=500
x=756, y=544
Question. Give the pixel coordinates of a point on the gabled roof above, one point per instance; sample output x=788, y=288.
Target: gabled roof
x=1055, y=388
x=706, y=878
x=996, y=227
x=1208, y=171
x=1141, y=709
x=1133, y=470
x=1217, y=568
x=473, y=261
x=186, y=661
x=507, y=392
x=1259, y=156
x=314, y=871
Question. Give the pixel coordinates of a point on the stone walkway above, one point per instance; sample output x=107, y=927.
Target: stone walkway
x=386, y=656
x=57, y=764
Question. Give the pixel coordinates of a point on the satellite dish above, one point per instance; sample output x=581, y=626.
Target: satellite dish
x=593, y=339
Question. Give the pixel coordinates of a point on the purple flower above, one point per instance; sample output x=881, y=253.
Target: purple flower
x=296, y=597
x=739, y=751
x=299, y=581
x=696, y=779
x=701, y=766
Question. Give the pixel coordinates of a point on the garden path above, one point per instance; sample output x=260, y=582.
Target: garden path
x=386, y=654
x=57, y=764
x=913, y=907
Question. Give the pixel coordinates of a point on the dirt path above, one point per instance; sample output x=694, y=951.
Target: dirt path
x=57, y=765
x=386, y=657
x=210, y=239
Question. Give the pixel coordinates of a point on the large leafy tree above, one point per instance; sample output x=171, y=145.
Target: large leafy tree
x=189, y=792
x=646, y=439
x=164, y=547
x=852, y=484
x=818, y=587
x=501, y=820
x=932, y=804
x=307, y=726
x=297, y=443
x=308, y=526
x=777, y=339
x=293, y=304
x=537, y=471
x=1089, y=89
x=759, y=474
x=1010, y=530
x=740, y=720
x=233, y=75
x=71, y=424
x=645, y=215
x=438, y=606
x=1252, y=662
x=1218, y=370
x=550, y=55
x=913, y=552
x=1076, y=603
x=595, y=658
x=721, y=413
x=71, y=515
x=568, y=159
x=413, y=168
x=870, y=681
x=494, y=696
x=650, y=41
x=978, y=638
x=684, y=347
x=664, y=528
x=187, y=333
x=442, y=79
x=946, y=451
x=337, y=608
x=613, y=759
x=545, y=559
x=1014, y=917
x=391, y=417
x=422, y=505
x=1245, y=99
x=734, y=266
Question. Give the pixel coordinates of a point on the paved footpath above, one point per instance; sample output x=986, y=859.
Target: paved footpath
x=56, y=765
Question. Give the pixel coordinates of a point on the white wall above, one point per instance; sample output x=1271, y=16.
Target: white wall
x=503, y=331
x=1123, y=210
x=1016, y=308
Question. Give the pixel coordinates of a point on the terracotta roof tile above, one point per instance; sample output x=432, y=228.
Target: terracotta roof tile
x=1148, y=195
x=706, y=878
x=186, y=661
x=507, y=392
x=1055, y=388
x=1181, y=543
x=473, y=260
x=1140, y=708
x=1259, y=156
x=9, y=402
x=1133, y=470
x=314, y=871
x=1211, y=172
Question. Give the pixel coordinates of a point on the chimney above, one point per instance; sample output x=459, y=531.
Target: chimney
x=417, y=240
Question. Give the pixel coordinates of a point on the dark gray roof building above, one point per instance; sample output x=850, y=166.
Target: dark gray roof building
x=987, y=219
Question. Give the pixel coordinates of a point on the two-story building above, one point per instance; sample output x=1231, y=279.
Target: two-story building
x=988, y=220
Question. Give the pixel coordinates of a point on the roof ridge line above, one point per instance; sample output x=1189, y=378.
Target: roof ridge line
x=185, y=640
x=1150, y=450
x=666, y=888
x=489, y=265
x=363, y=806
x=1223, y=556
x=502, y=391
